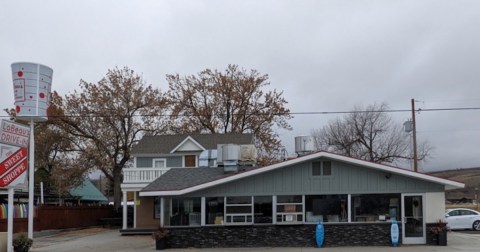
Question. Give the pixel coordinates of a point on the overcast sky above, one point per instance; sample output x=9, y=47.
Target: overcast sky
x=324, y=55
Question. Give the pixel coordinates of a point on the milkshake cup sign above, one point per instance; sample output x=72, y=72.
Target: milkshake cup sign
x=31, y=85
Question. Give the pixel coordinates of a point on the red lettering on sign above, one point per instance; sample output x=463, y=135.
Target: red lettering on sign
x=12, y=160
x=13, y=174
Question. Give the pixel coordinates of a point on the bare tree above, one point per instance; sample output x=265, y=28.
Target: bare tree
x=232, y=101
x=105, y=119
x=369, y=134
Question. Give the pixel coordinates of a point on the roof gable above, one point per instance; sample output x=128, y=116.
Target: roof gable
x=196, y=185
x=189, y=144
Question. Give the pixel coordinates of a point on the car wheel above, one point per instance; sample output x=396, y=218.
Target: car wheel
x=476, y=225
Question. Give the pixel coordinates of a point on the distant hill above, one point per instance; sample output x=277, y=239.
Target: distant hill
x=469, y=176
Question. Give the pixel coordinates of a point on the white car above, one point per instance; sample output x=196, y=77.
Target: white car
x=462, y=218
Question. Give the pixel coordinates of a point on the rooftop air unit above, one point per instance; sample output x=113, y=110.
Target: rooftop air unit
x=228, y=156
x=304, y=145
x=248, y=154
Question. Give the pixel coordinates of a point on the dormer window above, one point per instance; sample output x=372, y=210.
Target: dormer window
x=322, y=168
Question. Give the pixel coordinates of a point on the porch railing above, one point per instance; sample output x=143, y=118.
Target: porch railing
x=142, y=175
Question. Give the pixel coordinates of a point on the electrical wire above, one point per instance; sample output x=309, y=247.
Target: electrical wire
x=294, y=113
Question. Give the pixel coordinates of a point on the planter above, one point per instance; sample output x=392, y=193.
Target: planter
x=442, y=239
x=21, y=248
x=160, y=244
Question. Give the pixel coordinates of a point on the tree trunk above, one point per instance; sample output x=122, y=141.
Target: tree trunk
x=117, y=192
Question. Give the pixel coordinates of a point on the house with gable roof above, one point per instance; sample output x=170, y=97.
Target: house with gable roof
x=153, y=156
x=280, y=205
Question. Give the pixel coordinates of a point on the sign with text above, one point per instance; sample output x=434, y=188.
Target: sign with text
x=12, y=160
x=14, y=134
x=14, y=163
x=11, y=176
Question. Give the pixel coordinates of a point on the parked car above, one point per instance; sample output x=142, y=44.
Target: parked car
x=462, y=218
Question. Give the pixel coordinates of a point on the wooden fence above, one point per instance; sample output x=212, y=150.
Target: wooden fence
x=61, y=217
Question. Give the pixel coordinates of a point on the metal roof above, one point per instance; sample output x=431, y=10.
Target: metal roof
x=166, y=143
x=87, y=191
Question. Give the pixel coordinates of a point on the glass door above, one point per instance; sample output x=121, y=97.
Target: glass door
x=413, y=219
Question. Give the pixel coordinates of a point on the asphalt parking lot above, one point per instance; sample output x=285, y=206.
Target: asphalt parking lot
x=101, y=239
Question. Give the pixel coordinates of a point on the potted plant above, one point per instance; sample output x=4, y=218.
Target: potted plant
x=160, y=236
x=21, y=243
x=439, y=229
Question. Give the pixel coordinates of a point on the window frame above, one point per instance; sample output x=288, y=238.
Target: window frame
x=338, y=217
x=296, y=216
x=229, y=217
x=318, y=171
x=164, y=160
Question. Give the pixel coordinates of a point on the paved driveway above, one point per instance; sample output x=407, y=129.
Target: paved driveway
x=99, y=239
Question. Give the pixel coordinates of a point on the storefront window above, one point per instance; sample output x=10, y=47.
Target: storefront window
x=289, y=209
x=263, y=210
x=326, y=208
x=214, y=210
x=375, y=207
x=239, y=210
x=185, y=212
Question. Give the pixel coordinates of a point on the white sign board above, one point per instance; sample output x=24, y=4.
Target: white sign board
x=14, y=134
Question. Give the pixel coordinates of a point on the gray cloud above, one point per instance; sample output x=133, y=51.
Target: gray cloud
x=324, y=55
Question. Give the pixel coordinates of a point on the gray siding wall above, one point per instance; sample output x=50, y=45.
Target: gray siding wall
x=345, y=179
x=147, y=162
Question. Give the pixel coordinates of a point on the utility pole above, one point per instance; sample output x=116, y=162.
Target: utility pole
x=414, y=135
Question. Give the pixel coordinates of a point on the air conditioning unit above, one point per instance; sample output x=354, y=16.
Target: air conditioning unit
x=304, y=145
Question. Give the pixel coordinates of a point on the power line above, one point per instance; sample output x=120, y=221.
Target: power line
x=295, y=113
x=384, y=111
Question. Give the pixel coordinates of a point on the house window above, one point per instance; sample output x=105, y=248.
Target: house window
x=375, y=207
x=190, y=161
x=321, y=168
x=262, y=208
x=289, y=209
x=159, y=163
x=214, y=210
x=185, y=212
x=326, y=208
x=238, y=210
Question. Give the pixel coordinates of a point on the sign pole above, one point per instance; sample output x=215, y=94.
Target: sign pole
x=10, y=220
x=31, y=175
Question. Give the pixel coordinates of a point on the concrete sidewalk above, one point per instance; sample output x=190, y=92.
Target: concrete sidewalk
x=111, y=240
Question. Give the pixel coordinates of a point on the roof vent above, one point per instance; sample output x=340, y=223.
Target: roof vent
x=304, y=145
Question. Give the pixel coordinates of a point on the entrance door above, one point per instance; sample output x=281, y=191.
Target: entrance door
x=413, y=219
x=190, y=161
